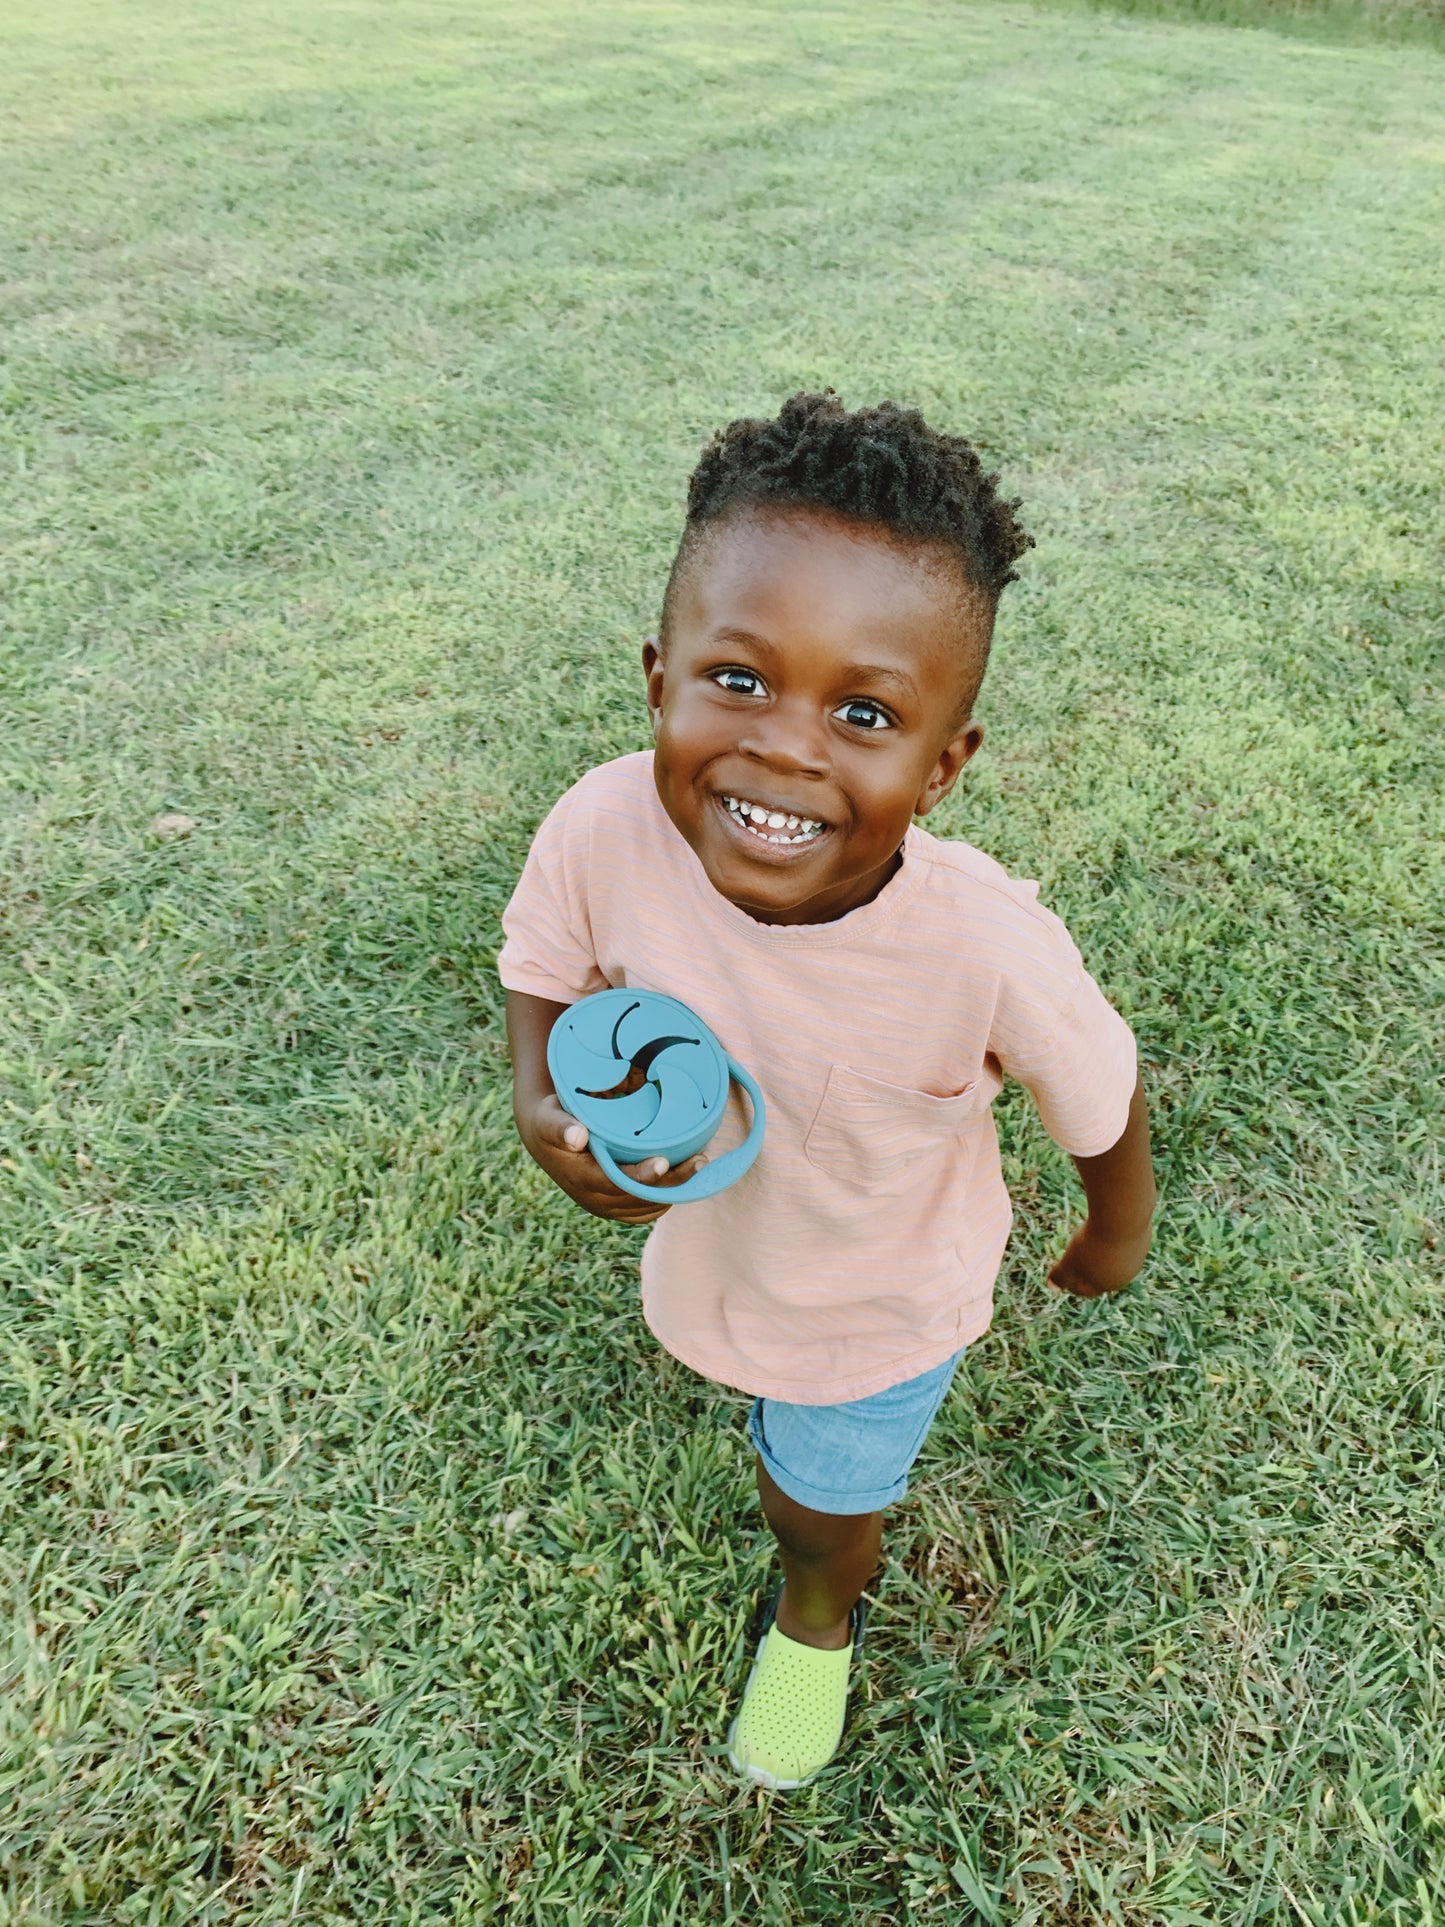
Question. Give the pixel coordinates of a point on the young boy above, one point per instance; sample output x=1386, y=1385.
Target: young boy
x=823, y=638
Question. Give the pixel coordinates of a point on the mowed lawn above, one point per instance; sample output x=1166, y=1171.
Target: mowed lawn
x=364, y=1560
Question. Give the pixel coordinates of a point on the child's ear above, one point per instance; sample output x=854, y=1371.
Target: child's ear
x=652, y=669
x=961, y=749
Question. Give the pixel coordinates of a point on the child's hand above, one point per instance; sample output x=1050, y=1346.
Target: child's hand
x=1094, y=1265
x=1110, y=1247
x=558, y=1142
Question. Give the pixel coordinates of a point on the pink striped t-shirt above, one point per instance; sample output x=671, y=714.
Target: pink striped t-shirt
x=861, y=1248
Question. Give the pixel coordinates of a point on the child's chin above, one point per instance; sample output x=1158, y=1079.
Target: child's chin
x=762, y=890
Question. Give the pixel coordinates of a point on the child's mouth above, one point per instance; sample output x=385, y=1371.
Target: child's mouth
x=773, y=826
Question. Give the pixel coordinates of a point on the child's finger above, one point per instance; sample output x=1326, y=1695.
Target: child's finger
x=559, y=1128
x=656, y=1171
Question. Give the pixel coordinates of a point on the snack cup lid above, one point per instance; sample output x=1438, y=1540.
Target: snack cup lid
x=641, y=1071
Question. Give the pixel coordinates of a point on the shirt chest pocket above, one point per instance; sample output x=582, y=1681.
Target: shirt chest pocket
x=876, y=1136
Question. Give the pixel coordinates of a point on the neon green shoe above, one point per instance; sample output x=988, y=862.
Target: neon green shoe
x=791, y=1719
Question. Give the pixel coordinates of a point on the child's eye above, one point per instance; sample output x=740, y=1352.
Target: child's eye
x=864, y=715
x=738, y=682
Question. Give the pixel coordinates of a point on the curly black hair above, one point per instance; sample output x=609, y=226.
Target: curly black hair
x=883, y=466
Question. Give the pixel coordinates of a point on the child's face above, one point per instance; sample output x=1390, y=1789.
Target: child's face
x=815, y=671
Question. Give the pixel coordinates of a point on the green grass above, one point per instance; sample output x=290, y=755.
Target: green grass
x=1389, y=22
x=364, y=1559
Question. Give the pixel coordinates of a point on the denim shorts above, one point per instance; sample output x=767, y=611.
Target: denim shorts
x=854, y=1457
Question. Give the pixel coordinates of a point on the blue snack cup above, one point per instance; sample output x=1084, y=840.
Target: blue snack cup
x=649, y=1080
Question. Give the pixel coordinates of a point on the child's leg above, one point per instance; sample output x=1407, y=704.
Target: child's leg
x=828, y=1558
x=825, y=1473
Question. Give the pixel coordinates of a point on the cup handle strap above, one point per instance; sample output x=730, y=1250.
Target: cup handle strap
x=713, y=1177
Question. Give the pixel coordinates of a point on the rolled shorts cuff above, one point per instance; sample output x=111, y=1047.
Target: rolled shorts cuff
x=875, y=1440
x=819, y=1498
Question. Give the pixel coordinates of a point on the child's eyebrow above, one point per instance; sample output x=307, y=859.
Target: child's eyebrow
x=875, y=672
x=729, y=634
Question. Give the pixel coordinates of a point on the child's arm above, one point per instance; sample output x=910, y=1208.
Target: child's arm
x=555, y=1138
x=1110, y=1247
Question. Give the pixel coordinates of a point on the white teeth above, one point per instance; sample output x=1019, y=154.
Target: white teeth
x=767, y=823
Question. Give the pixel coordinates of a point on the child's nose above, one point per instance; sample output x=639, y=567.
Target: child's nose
x=791, y=738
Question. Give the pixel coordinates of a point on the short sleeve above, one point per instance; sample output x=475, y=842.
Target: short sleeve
x=1068, y=1046
x=548, y=950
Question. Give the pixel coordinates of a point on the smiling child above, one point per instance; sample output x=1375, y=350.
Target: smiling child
x=824, y=636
